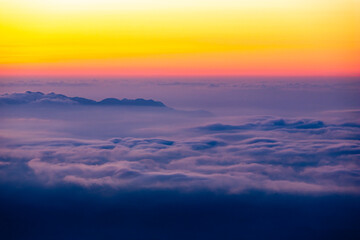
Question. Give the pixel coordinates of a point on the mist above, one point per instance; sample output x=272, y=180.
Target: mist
x=294, y=144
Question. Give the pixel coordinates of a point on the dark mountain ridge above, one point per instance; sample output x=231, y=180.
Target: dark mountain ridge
x=40, y=98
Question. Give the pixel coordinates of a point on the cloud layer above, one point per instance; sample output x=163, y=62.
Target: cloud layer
x=288, y=155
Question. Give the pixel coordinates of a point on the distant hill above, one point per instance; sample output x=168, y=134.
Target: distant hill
x=39, y=98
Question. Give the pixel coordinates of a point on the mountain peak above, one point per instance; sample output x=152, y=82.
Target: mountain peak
x=30, y=97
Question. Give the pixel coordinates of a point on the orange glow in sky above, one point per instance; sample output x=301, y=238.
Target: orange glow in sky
x=179, y=38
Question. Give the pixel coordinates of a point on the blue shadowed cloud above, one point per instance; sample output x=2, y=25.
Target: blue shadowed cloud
x=269, y=154
x=273, y=161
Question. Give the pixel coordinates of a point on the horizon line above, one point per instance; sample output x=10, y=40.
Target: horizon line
x=95, y=77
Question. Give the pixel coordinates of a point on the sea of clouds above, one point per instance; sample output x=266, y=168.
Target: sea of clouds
x=226, y=159
x=140, y=149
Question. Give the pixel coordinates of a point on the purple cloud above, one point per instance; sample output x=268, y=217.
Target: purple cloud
x=270, y=154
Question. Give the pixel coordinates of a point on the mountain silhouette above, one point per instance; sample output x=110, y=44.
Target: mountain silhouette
x=39, y=98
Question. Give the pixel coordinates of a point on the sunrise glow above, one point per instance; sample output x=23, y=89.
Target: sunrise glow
x=179, y=38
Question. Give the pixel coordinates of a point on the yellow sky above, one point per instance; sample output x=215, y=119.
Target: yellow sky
x=198, y=37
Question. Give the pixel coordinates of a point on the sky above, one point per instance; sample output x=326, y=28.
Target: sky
x=111, y=38
x=258, y=136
